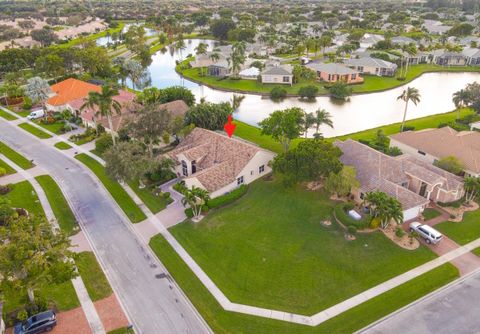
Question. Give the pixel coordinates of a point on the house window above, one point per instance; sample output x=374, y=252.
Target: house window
x=194, y=167
x=421, y=152
x=240, y=180
x=329, y=77
x=360, y=68
x=405, y=184
x=354, y=76
x=261, y=169
x=184, y=168
x=286, y=79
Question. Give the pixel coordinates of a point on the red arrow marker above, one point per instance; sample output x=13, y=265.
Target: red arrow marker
x=229, y=127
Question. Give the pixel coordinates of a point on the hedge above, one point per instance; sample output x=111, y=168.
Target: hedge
x=346, y=220
x=228, y=198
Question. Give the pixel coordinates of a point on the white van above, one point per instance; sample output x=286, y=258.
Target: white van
x=431, y=235
x=36, y=114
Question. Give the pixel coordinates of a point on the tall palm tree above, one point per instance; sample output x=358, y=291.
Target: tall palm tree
x=214, y=57
x=201, y=49
x=307, y=122
x=409, y=94
x=322, y=117
x=461, y=99
x=105, y=103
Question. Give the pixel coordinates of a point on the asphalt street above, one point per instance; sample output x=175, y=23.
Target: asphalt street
x=455, y=309
x=153, y=303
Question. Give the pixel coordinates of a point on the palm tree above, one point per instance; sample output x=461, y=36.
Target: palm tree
x=135, y=71
x=196, y=198
x=322, y=117
x=201, y=49
x=180, y=45
x=384, y=207
x=105, y=103
x=409, y=94
x=215, y=57
x=325, y=42
x=237, y=101
x=472, y=188
x=461, y=99
x=307, y=122
x=38, y=90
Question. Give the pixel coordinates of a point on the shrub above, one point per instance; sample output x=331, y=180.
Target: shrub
x=352, y=230
x=278, y=93
x=346, y=220
x=22, y=315
x=100, y=129
x=3, y=171
x=348, y=206
x=394, y=151
x=340, y=90
x=166, y=195
x=456, y=204
x=408, y=128
x=27, y=103
x=375, y=223
x=180, y=187
x=228, y=198
x=103, y=143
x=308, y=92
x=399, y=232
x=5, y=189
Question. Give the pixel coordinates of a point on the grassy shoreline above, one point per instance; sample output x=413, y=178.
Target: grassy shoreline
x=372, y=84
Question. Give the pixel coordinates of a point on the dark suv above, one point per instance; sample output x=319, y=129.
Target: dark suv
x=38, y=323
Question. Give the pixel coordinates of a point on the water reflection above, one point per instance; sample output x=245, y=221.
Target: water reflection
x=360, y=113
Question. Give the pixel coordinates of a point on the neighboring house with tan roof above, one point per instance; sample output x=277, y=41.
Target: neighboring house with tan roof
x=414, y=183
x=431, y=145
x=217, y=163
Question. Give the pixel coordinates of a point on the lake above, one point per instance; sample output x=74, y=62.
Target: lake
x=360, y=113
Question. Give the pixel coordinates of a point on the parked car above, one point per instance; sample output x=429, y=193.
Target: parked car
x=36, y=114
x=38, y=323
x=431, y=235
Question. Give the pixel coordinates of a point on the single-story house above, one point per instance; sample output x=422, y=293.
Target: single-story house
x=333, y=72
x=219, y=69
x=414, y=183
x=250, y=73
x=217, y=163
x=424, y=144
x=369, y=40
x=278, y=74
x=67, y=91
x=451, y=59
x=472, y=55
x=467, y=41
x=402, y=40
x=435, y=27
x=374, y=66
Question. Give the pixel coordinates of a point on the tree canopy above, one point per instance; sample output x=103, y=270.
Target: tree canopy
x=283, y=125
x=212, y=116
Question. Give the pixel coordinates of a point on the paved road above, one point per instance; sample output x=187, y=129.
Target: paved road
x=454, y=309
x=152, y=302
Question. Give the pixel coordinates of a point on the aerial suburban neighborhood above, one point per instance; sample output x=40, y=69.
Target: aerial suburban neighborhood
x=250, y=166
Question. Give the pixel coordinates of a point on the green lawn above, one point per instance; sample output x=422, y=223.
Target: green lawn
x=118, y=193
x=65, y=217
x=24, y=196
x=270, y=250
x=56, y=127
x=7, y=167
x=476, y=251
x=122, y=330
x=62, y=146
x=92, y=275
x=153, y=202
x=34, y=131
x=253, y=134
x=17, y=158
x=92, y=37
x=6, y=115
x=371, y=83
x=222, y=321
x=465, y=231
x=429, y=213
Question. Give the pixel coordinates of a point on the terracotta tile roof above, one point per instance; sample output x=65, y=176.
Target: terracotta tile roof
x=69, y=90
x=176, y=108
x=464, y=145
x=378, y=171
x=219, y=159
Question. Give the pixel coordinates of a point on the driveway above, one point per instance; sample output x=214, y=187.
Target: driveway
x=152, y=301
x=453, y=309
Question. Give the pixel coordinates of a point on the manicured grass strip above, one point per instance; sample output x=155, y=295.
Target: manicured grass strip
x=114, y=188
x=92, y=275
x=6, y=115
x=62, y=295
x=464, y=232
x=61, y=145
x=253, y=134
x=9, y=170
x=56, y=127
x=476, y=251
x=121, y=330
x=24, y=196
x=65, y=218
x=34, y=131
x=222, y=321
x=17, y=158
x=154, y=203
x=429, y=213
